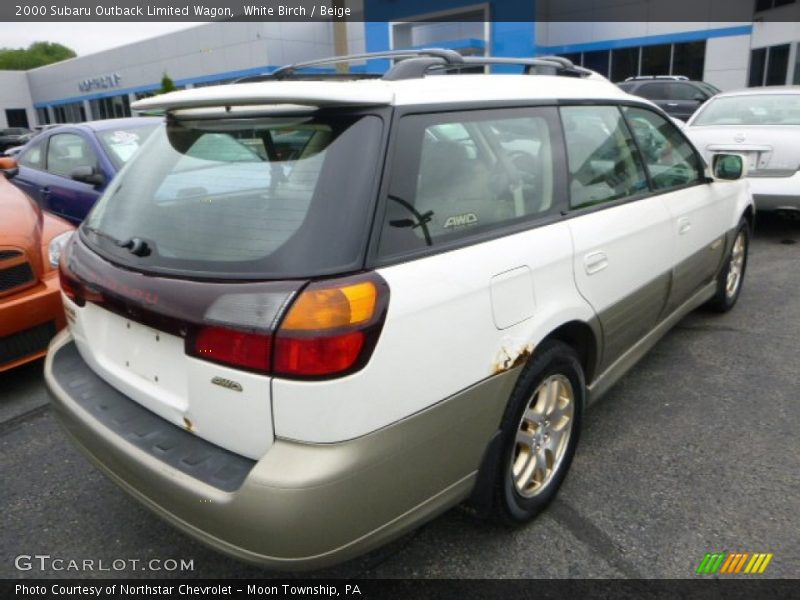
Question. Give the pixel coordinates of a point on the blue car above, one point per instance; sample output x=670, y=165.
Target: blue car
x=65, y=169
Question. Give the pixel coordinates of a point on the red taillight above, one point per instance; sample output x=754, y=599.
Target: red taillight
x=231, y=347
x=316, y=356
x=330, y=329
x=69, y=287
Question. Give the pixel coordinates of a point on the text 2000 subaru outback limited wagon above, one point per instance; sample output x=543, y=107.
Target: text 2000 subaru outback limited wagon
x=311, y=314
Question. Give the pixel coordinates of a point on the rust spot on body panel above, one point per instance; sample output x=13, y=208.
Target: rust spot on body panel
x=509, y=358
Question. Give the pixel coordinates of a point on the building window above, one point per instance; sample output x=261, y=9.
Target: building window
x=597, y=61
x=769, y=66
x=686, y=59
x=42, y=116
x=114, y=107
x=758, y=60
x=762, y=5
x=69, y=113
x=796, y=77
x=777, y=64
x=689, y=59
x=575, y=57
x=17, y=117
x=656, y=60
x=624, y=63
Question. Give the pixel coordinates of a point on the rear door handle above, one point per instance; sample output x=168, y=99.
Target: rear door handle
x=684, y=226
x=45, y=191
x=594, y=262
x=672, y=104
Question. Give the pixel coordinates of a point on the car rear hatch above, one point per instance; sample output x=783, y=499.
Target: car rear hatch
x=762, y=127
x=769, y=151
x=183, y=270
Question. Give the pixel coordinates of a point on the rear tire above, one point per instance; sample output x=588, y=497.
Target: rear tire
x=539, y=432
x=729, y=285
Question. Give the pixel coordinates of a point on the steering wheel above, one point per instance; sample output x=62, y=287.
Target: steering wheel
x=524, y=164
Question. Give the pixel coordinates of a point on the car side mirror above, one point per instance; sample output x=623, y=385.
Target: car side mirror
x=728, y=167
x=8, y=166
x=88, y=175
x=699, y=98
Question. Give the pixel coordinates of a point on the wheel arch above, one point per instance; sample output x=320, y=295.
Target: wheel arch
x=749, y=215
x=584, y=338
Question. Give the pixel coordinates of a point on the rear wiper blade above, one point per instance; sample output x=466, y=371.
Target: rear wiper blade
x=134, y=245
x=103, y=234
x=137, y=246
x=422, y=219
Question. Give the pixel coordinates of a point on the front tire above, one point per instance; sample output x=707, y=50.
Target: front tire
x=729, y=285
x=540, y=432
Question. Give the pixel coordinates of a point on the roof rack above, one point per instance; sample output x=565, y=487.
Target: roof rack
x=415, y=64
x=667, y=77
x=440, y=56
x=308, y=77
x=551, y=65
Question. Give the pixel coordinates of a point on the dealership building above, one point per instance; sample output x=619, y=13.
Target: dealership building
x=758, y=46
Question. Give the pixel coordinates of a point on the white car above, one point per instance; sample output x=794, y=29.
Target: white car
x=761, y=124
x=409, y=308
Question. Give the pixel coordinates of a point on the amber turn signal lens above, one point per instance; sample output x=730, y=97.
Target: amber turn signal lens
x=331, y=308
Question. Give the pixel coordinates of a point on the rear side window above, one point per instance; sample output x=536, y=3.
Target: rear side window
x=709, y=89
x=669, y=158
x=654, y=91
x=603, y=162
x=685, y=91
x=458, y=175
x=277, y=197
x=33, y=156
x=68, y=151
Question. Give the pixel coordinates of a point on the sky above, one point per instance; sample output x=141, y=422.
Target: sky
x=84, y=38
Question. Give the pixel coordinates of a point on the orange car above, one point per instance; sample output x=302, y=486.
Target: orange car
x=30, y=246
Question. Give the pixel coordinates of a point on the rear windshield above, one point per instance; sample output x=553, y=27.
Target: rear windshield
x=121, y=144
x=752, y=109
x=278, y=197
x=708, y=88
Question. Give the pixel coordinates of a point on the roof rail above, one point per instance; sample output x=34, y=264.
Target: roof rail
x=442, y=56
x=662, y=77
x=556, y=65
x=308, y=77
x=415, y=64
x=559, y=64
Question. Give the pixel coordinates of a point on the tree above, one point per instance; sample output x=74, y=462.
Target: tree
x=36, y=55
x=167, y=85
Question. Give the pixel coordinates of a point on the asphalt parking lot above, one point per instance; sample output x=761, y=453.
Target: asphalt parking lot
x=695, y=450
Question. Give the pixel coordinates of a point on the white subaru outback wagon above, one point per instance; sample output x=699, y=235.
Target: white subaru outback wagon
x=311, y=314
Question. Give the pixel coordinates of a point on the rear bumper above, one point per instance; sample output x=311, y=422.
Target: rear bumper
x=301, y=506
x=776, y=193
x=24, y=317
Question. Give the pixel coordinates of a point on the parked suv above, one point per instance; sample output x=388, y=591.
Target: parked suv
x=296, y=357
x=678, y=96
